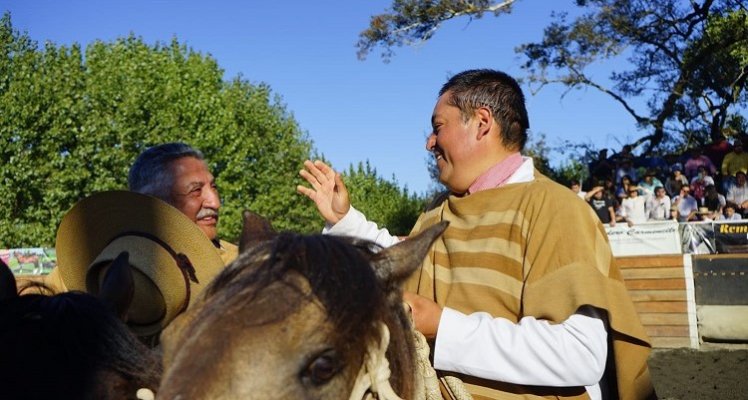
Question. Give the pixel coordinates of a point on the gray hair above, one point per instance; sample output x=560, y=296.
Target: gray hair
x=150, y=173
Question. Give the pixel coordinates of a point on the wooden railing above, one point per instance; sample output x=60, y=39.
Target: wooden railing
x=662, y=291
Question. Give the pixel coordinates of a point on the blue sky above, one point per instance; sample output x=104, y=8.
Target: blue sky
x=305, y=50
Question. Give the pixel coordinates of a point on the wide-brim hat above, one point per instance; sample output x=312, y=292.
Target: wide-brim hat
x=172, y=259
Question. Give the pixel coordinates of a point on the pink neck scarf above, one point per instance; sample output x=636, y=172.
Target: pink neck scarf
x=497, y=175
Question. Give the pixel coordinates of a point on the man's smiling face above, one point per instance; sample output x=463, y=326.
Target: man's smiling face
x=453, y=141
x=194, y=193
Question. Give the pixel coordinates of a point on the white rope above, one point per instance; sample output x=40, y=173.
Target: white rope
x=427, y=383
x=373, y=380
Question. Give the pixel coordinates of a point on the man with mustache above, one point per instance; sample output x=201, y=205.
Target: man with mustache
x=521, y=294
x=178, y=174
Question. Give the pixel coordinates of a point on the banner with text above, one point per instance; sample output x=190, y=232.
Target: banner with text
x=649, y=238
x=731, y=237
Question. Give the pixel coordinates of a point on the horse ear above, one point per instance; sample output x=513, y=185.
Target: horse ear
x=8, y=288
x=256, y=229
x=118, y=288
x=396, y=263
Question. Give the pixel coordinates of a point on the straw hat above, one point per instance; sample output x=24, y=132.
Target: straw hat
x=171, y=258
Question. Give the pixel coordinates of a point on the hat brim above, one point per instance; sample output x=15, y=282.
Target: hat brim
x=94, y=222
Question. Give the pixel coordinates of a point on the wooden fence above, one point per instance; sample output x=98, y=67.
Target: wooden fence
x=662, y=290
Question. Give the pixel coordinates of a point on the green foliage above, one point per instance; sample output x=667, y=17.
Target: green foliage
x=381, y=200
x=411, y=21
x=571, y=170
x=537, y=148
x=686, y=58
x=74, y=120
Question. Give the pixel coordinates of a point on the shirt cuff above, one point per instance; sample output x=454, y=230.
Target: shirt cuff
x=350, y=221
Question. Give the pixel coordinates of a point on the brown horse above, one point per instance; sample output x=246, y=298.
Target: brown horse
x=70, y=345
x=298, y=317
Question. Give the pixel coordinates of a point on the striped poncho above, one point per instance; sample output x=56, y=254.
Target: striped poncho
x=533, y=249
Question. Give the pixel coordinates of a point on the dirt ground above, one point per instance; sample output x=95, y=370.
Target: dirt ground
x=713, y=372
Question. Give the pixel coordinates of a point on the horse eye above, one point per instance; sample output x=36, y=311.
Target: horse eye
x=323, y=368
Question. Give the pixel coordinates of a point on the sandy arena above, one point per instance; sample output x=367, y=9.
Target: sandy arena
x=717, y=372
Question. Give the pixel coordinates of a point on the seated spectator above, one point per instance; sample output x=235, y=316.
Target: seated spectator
x=604, y=206
x=609, y=188
x=706, y=215
x=633, y=208
x=686, y=204
x=717, y=150
x=734, y=162
x=623, y=187
x=624, y=154
x=730, y=213
x=609, y=192
x=697, y=160
x=700, y=182
x=738, y=193
x=713, y=201
x=675, y=180
x=649, y=183
x=674, y=212
x=576, y=187
x=602, y=167
x=657, y=164
x=658, y=206
x=626, y=168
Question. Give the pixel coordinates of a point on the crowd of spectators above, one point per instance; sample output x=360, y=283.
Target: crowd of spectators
x=704, y=184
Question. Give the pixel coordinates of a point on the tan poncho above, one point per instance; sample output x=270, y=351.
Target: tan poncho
x=532, y=249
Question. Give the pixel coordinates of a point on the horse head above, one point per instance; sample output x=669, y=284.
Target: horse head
x=297, y=317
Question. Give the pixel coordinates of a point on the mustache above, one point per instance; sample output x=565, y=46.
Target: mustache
x=207, y=212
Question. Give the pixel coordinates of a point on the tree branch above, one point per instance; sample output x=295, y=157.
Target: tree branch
x=583, y=79
x=451, y=15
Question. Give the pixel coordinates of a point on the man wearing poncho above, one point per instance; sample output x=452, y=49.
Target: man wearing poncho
x=521, y=294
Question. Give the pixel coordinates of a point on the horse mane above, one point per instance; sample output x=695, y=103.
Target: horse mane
x=329, y=263
x=68, y=342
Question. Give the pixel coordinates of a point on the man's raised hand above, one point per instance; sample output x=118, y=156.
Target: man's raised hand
x=327, y=190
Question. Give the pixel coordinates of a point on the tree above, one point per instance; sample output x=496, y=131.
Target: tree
x=414, y=21
x=73, y=124
x=688, y=59
x=382, y=200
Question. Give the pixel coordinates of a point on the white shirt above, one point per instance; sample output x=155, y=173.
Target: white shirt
x=659, y=209
x=738, y=194
x=530, y=352
x=633, y=209
x=685, y=206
